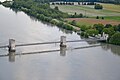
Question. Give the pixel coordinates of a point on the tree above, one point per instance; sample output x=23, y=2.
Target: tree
x=102, y=17
x=99, y=27
x=97, y=17
x=117, y=27
x=115, y=39
x=73, y=23
x=80, y=15
x=108, y=25
x=117, y=1
x=98, y=6
x=110, y=31
x=75, y=13
x=56, y=8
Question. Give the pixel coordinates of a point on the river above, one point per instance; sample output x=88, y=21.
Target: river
x=96, y=63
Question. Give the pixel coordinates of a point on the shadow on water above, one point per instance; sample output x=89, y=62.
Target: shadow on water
x=115, y=49
x=11, y=55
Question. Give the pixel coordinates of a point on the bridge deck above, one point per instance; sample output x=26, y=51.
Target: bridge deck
x=41, y=43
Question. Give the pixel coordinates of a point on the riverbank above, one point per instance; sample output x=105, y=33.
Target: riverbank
x=41, y=12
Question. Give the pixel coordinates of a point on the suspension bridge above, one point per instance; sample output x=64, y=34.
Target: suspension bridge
x=12, y=42
x=63, y=47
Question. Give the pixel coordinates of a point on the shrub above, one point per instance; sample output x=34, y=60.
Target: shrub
x=73, y=23
x=98, y=6
x=84, y=28
x=56, y=8
x=97, y=17
x=80, y=15
x=92, y=32
x=108, y=25
x=67, y=26
x=82, y=34
x=115, y=39
x=53, y=21
x=102, y=17
x=86, y=35
x=118, y=27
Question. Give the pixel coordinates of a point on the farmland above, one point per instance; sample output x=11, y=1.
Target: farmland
x=88, y=10
x=110, y=12
x=92, y=21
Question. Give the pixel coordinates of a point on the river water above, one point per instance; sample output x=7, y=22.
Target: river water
x=96, y=63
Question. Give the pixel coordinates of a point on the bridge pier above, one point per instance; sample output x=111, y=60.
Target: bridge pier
x=63, y=41
x=12, y=47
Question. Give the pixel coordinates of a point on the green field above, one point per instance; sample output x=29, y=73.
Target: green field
x=108, y=10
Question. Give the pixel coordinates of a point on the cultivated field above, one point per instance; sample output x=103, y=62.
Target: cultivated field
x=91, y=21
x=110, y=12
x=88, y=10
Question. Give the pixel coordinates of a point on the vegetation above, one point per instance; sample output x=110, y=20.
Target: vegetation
x=76, y=15
x=117, y=28
x=92, y=32
x=84, y=28
x=97, y=17
x=114, y=18
x=109, y=31
x=115, y=39
x=62, y=3
x=98, y=6
x=73, y=23
x=56, y=8
x=6, y=3
x=96, y=29
x=92, y=21
x=99, y=27
x=38, y=10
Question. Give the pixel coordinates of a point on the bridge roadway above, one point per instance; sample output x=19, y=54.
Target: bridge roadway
x=41, y=43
